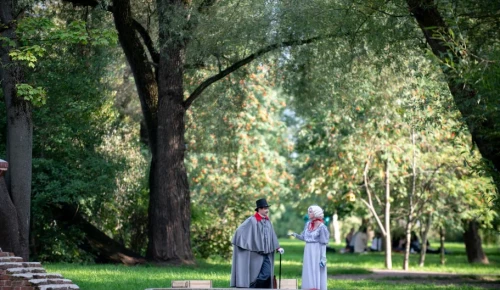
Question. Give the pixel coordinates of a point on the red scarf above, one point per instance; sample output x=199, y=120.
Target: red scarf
x=311, y=224
x=258, y=217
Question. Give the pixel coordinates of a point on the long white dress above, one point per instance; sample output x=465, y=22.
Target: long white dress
x=313, y=275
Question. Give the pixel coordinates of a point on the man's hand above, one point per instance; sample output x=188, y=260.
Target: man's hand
x=280, y=250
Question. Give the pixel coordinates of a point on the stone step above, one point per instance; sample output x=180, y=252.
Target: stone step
x=57, y=287
x=9, y=265
x=39, y=282
x=10, y=259
x=30, y=276
x=25, y=270
x=6, y=254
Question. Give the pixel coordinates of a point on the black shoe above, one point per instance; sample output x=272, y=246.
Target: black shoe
x=263, y=284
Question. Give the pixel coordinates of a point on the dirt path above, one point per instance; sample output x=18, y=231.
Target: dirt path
x=408, y=277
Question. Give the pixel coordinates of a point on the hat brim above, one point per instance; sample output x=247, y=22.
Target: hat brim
x=257, y=208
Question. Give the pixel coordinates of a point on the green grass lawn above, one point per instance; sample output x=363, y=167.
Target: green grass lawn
x=110, y=277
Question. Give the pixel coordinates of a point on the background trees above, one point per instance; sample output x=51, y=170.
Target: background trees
x=212, y=112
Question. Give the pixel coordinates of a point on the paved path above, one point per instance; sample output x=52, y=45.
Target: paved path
x=407, y=277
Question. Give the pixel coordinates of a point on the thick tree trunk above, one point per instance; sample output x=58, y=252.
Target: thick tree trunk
x=96, y=242
x=162, y=97
x=169, y=210
x=9, y=228
x=480, y=123
x=473, y=244
x=19, y=131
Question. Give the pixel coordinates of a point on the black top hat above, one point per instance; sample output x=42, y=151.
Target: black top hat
x=261, y=203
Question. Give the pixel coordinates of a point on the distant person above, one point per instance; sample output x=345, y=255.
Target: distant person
x=348, y=240
x=316, y=236
x=254, y=244
x=360, y=240
x=415, y=246
x=376, y=245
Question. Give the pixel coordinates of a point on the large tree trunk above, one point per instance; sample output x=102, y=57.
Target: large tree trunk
x=9, y=227
x=19, y=130
x=105, y=249
x=473, y=244
x=162, y=96
x=169, y=210
x=481, y=124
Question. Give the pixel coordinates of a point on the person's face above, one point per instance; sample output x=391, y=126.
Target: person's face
x=263, y=211
x=311, y=214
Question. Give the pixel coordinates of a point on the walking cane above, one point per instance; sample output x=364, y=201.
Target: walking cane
x=280, y=271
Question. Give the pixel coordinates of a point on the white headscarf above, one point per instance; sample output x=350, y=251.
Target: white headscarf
x=317, y=211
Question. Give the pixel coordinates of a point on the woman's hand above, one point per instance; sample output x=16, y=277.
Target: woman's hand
x=322, y=262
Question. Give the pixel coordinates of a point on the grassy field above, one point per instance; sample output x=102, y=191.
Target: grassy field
x=110, y=277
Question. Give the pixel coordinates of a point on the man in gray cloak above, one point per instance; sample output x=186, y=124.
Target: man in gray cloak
x=254, y=244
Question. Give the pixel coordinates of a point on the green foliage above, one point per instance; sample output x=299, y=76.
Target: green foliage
x=35, y=30
x=237, y=148
x=37, y=34
x=368, y=116
x=27, y=55
x=85, y=153
x=37, y=96
x=209, y=236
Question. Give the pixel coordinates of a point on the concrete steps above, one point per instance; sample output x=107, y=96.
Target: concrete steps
x=15, y=274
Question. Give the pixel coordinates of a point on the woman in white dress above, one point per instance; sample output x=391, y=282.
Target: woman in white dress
x=316, y=236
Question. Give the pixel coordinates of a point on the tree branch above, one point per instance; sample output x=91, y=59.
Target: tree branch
x=83, y=3
x=235, y=66
x=205, y=5
x=155, y=56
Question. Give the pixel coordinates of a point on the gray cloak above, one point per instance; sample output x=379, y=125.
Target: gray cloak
x=252, y=240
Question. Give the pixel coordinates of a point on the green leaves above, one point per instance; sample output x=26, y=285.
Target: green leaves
x=37, y=96
x=27, y=55
x=41, y=30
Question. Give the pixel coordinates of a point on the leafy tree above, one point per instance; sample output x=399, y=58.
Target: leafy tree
x=193, y=40
x=456, y=34
x=237, y=149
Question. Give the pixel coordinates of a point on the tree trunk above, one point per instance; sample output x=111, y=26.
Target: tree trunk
x=473, y=244
x=411, y=207
x=387, y=220
x=162, y=96
x=480, y=122
x=424, y=235
x=96, y=242
x=441, y=243
x=9, y=228
x=170, y=206
x=19, y=131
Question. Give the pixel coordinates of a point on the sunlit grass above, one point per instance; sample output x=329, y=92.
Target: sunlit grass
x=110, y=277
